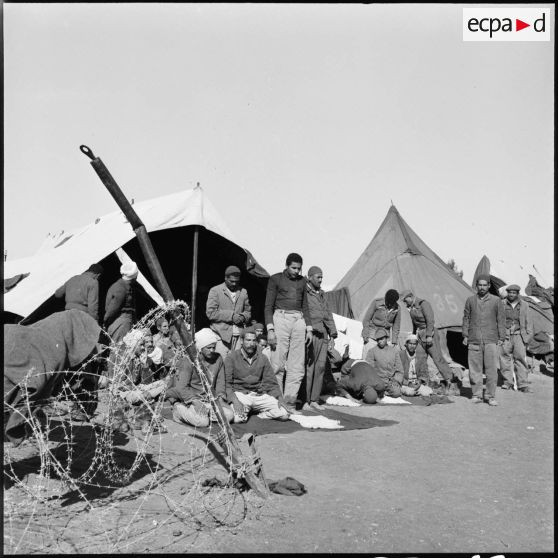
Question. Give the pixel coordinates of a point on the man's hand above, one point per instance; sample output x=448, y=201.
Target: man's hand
x=283, y=405
x=199, y=407
x=238, y=319
x=465, y=341
x=331, y=344
x=272, y=339
x=428, y=340
x=309, y=336
x=238, y=407
x=500, y=343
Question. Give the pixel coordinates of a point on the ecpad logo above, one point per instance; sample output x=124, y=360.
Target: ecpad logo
x=506, y=24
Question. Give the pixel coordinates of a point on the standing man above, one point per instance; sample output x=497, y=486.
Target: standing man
x=323, y=334
x=387, y=363
x=384, y=313
x=228, y=310
x=519, y=330
x=422, y=317
x=288, y=326
x=484, y=331
x=82, y=291
x=120, y=304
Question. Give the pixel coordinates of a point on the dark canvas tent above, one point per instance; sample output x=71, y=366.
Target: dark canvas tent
x=171, y=222
x=397, y=258
x=339, y=302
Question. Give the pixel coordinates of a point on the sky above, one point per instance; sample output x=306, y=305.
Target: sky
x=302, y=123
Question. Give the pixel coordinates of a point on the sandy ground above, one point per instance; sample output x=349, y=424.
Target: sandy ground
x=447, y=478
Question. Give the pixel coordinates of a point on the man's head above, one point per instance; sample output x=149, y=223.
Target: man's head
x=206, y=341
x=513, y=292
x=249, y=342
x=483, y=284
x=391, y=298
x=162, y=326
x=129, y=271
x=369, y=395
x=315, y=276
x=262, y=341
x=96, y=269
x=149, y=345
x=232, y=277
x=294, y=265
x=134, y=341
x=258, y=329
x=407, y=297
x=381, y=337
x=411, y=343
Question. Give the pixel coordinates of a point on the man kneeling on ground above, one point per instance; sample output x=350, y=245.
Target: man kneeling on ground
x=186, y=392
x=386, y=361
x=360, y=382
x=415, y=376
x=251, y=384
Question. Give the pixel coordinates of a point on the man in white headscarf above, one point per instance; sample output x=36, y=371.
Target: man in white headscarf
x=120, y=304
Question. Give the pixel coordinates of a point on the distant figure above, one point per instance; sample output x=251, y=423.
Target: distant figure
x=166, y=341
x=519, y=331
x=384, y=313
x=186, y=392
x=82, y=291
x=228, y=309
x=484, y=331
x=120, y=304
x=251, y=384
x=323, y=334
x=422, y=317
x=288, y=326
x=385, y=359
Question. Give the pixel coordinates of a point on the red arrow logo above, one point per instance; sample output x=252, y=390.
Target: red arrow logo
x=519, y=25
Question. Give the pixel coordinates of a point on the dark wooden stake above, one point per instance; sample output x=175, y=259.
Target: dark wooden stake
x=194, y=280
x=163, y=287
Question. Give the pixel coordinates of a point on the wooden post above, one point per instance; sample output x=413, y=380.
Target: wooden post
x=163, y=287
x=194, y=280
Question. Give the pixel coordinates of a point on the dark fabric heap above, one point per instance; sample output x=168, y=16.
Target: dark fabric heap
x=60, y=342
x=287, y=486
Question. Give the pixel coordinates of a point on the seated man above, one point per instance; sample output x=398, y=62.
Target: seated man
x=259, y=329
x=251, y=384
x=413, y=378
x=263, y=346
x=359, y=381
x=385, y=359
x=168, y=342
x=186, y=392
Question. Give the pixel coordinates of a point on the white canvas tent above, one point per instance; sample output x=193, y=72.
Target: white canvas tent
x=64, y=255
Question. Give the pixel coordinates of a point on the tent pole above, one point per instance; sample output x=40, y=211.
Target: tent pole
x=194, y=280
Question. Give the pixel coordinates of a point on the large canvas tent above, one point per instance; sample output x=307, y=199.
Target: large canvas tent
x=397, y=258
x=172, y=222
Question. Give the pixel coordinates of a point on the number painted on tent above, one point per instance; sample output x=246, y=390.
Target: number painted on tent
x=439, y=302
x=450, y=299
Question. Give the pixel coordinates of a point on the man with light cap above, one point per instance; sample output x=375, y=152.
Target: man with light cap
x=386, y=361
x=229, y=311
x=289, y=326
x=323, y=334
x=422, y=317
x=189, y=399
x=384, y=313
x=484, y=331
x=413, y=377
x=519, y=331
x=120, y=303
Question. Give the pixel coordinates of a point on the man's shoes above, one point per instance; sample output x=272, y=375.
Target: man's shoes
x=506, y=386
x=476, y=400
x=283, y=418
x=525, y=389
x=492, y=402
x=316, y=406
x=307, y=407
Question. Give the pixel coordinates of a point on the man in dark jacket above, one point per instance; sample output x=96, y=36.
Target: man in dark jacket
x=82, y=291
x=251, y=384
x=384, y=313
x=288, y=326
x=228, y=309
x=120, y=303
x=484, y=331
x=519, y=331
x=422, y=317
x=186, y=393
x=360, y=381
x=323, y=333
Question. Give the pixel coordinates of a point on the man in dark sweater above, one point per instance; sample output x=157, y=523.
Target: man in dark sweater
x=251, y=385
x=484, y=332
x=82, y=291
x=360, y=381
x=186, y=393
x=289, y=325
x=422, y=317
x=120, y=303
x=323, y=334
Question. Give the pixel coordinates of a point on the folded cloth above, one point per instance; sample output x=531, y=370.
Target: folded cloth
x=316, y=422
x=340, y=401
x=387, y=400
x=287, y=486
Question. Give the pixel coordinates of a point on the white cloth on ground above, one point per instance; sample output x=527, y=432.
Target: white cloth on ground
x=340, y=401
x=317, y=421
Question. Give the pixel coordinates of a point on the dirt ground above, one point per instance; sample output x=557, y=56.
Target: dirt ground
x=451, y=478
